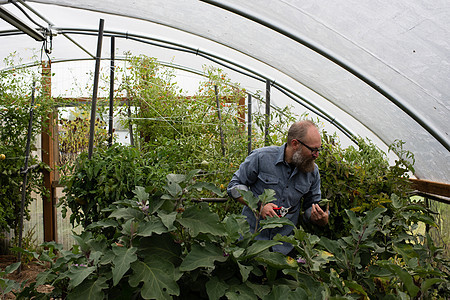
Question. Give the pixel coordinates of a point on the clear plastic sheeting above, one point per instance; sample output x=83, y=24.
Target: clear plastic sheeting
x=384, y=63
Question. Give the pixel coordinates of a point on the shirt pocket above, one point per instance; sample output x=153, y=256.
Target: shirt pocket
x=268, y=179
x=302, y=188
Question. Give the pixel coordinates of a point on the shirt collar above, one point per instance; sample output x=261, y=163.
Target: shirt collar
x=281, y=151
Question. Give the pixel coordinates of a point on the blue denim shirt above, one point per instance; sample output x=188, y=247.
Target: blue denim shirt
x=265, y=168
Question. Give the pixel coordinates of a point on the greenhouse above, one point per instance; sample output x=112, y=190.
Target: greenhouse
x=125, y=123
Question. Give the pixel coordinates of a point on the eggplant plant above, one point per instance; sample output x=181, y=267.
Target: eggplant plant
x=164, y=249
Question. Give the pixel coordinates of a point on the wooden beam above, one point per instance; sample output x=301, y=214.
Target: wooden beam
x=431, y=187
x=49, y=205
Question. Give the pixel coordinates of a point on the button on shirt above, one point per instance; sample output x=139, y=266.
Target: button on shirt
x=265, y=168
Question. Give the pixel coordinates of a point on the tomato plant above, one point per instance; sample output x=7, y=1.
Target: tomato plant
x=15, y=95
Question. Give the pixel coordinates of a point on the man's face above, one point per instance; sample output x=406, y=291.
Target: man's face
x=305, y=163
x=304, y=156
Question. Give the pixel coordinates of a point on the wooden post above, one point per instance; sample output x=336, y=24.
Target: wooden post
x=49, y=205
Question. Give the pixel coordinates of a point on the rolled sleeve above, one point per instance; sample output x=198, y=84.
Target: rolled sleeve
x=234, y=191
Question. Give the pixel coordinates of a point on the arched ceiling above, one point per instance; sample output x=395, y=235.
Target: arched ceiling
x=385, y=63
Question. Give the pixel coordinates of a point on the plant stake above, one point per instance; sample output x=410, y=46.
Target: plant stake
x=24, y=171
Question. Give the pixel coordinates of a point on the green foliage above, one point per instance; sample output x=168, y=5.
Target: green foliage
x=16, y=87
x=146, y=237
x=110, y=175
x=8, y=285
x=74, y=138
x=163, y=249
x=184, y=132
x=360, y=179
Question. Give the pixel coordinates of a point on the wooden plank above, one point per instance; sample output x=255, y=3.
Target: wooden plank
x=431, y=187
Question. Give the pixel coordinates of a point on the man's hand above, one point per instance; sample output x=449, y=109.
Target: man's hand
x=267, y=211
x=318, y=216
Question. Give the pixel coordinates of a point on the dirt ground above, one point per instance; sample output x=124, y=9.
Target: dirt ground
x=28, y=273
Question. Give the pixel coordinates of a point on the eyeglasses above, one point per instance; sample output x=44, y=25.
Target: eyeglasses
x=313, y=150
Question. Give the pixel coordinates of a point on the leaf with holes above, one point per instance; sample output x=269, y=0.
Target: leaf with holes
x=158, y=277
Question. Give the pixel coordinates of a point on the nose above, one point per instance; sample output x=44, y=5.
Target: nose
x=315, y=154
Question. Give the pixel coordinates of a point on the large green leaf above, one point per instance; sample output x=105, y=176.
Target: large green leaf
x=202, y=256
x=77, y=274
x=356, y=222
x=11, y=268
x=89, y=289
x=258, y=289
x=355, y=287
x=82, y=240
x=429, y=282
x=331, y=245
x=208, y=186
x=259, y=246
x=267, y=196
x=424, y=218
x=245, y=271
x=44, y=277
x=216, y=288
x=161, y=245
x=141, y=194
x=397, y=202
x=250, y=199
x=126, y=213
x=406, y=251
x=122, y=260
x=404, y=276
x=277, y=260
x=285, y=293
x=372, y=215
x=233, y=225
x=173, y=184
x=275, y=222
x=154, y=225
x=168, y=219
x=199, y=219
x=240, y=292
x=102, y=224
x=175, y=178
x=158, y=277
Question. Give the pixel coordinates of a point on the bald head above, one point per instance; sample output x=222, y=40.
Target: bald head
x=299, y=130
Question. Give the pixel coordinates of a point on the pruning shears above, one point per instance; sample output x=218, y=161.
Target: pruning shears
x=283, y=211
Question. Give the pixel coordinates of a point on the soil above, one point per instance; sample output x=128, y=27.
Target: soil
x=27, y=273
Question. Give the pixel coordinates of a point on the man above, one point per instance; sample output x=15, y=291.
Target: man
x=291, y=172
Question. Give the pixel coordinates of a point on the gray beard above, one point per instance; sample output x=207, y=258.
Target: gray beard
x=303, y=164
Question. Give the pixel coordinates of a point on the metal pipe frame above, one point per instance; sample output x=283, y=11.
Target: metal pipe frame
x=223, y=62
x=400, y=103
x=307, y=104
x=95, y=89
x=19, y=24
